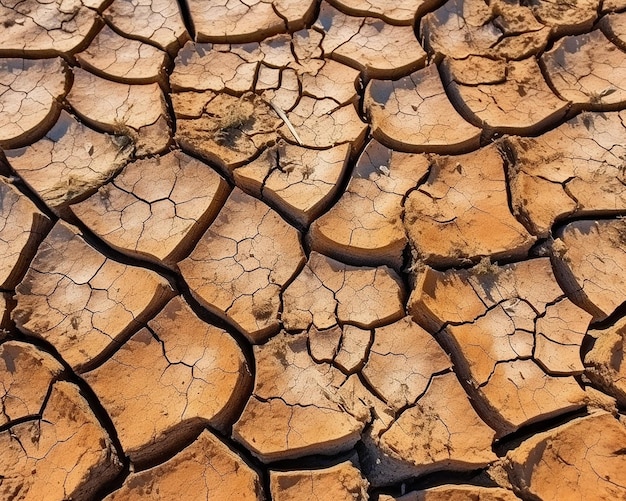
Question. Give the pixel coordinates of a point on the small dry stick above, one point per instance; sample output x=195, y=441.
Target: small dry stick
x=284, y=118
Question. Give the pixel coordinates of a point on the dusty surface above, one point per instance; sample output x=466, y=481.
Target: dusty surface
x=578, y=460
x=340, y=482
x=312, y=249
x=461, y=212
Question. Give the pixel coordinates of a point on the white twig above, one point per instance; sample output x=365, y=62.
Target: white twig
x=284, y=118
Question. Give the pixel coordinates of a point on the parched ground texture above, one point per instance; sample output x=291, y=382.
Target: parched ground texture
x=312, y=250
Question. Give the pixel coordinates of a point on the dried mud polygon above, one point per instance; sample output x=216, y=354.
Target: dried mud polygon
x=312, y=249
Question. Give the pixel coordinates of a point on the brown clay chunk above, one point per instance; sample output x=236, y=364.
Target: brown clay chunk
x=365, y=225
x=156, y=21
x=26, y=374
x=299, y=182
x=587, y=70
x=70, y=162
x=402, y=360
x=514, y=337
x=415, y=114
x=122, y=59
x=327, y=291
x=43, y=29
x=614, y=25
x=574, y=169
x=342, y=482
x=22, y=227
x=587, y=255
x=81, y=301
x=64, y=454
x=578, y=460
x=30, y=91
x=215, y=67
x=242, y=263
x=441, y=430
x=604, y=363
x=462, y=213
x=239, y=21
x=501, y=29
x=371, y=45
x=222, y=470
x=321, y=123
x=520, y=103
x=298, y=407
x=135, y=111
x=402, y=12
x=154, y=209
x=169, y=380
x=456, y=493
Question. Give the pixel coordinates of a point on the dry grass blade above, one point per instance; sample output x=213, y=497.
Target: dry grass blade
x=284, y=118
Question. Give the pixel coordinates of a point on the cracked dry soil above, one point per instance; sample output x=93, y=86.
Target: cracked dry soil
x=312, y=250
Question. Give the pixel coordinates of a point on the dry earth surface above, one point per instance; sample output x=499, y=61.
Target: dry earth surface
x=300, y=250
